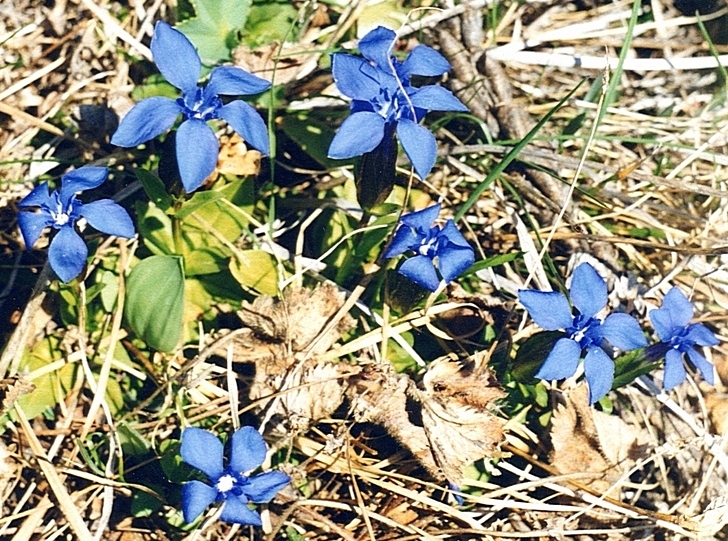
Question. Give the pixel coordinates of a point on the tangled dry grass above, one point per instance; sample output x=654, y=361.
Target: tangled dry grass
x=644, y=196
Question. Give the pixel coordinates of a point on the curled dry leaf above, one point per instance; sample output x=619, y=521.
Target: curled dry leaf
x=283, y=339
x=591, y=442
x=458, y=408
x=379, y=395
x=459, y=405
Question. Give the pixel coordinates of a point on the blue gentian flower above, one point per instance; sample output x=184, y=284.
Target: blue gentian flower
x=196, y=144
x=384, y=101
x=61, y=210
x=441, y=250
x=678, y=337
x=229, y=485
x=584, y=331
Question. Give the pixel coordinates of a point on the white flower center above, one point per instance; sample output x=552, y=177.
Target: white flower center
x=225, y=483
x=59, y=217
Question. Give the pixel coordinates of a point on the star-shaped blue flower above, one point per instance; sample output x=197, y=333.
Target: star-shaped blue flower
x=61, y=209
x=384, y=101
x=197, y=147
x=229, y=485
x=584, y=331
x=439, y=249
x=678, y=337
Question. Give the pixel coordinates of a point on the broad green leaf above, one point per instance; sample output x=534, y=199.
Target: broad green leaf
x=214, y=31
x=269, y=22
x=51, y=387
x=155, y=227
x=494, y=261
x=154, y=187
x=110, y=289
x=196, y=202
x=155, y=300
x=255, y=269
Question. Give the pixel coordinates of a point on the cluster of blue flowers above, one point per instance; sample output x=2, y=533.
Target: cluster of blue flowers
x=384, y=103
x=385, y=108
x=586, y=332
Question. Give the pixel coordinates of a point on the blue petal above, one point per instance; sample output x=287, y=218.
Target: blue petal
x=701, y=335
x=702, y=364
x=422, y=220
x=355, y=77
x=81, y=179
x=662, y=322
x=358, y=134
x=146, y=120
x=202, y=450
x=549, y=309
x=377, y=46
x=679, y=308
x=261, y=488
x=436, y=98
x=32, y=225
x=232, y=81
x=176, y=57
x=109, y=218
x=196, y=497
x=197, y=150
x=623, y=331
x=39, y=197
x=67, y=253
x=453, y=260
x=419, y=145
x=247, y=450
x=421, y=270
x=674, y=369
x=423, y=61
x=236, y=511
x=453, y=234
x=247, y=123
x=599, y=373
x=404, y=239
x=588, y=290
x=562, y=361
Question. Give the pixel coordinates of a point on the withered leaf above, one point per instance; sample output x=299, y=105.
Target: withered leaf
x=459, y=404
x=592, y=442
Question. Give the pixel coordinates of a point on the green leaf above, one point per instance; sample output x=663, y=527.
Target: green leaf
x=255, y=269
x=494, y=261
x=155, y=227
x=197, y=201
x=214, y=32
x=144, y=504
x=269, y=22
x=155, y=300
x=154, y=187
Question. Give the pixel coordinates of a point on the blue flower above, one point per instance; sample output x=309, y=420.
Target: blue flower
x=60, y=209
x=678, y=337
x=584, y=331
x=384, y=101
x=202, y=450
x=197, y=146
x=438, y=249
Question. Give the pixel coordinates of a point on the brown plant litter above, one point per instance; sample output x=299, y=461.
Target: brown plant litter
x=375, y=449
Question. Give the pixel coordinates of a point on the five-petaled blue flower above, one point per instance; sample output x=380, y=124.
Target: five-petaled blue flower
x=551, y=312
x=442, y=249
x=384, y=101
x=60, y=209
x=202, y=450
x=196, y=145
x=678, y=336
